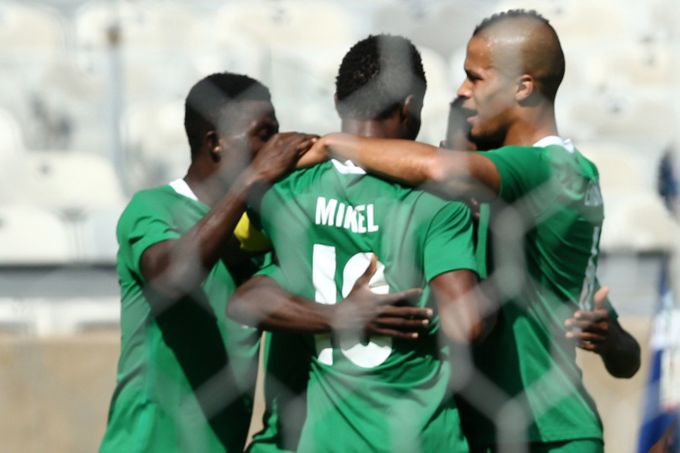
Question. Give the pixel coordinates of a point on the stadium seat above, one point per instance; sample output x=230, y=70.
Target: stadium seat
x=11, y=141
x=624, y=112
x=47, y=316
x=302, y=86
x=447, y=26
x=97, y=242
x=289, y=23
x=622, y=166
x=33, y=236
x=148, y=25
x=602, y=21
x=635, y=217
x=637, y=222
x=69, y=183
x=641, y=65
x=157, y=157
x=229, y=50
x=149, y=47
x=26, y=28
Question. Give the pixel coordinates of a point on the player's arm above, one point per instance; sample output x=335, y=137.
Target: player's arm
x=452, y=174
x=600, y=332
x=174, y=267
x=461, y=306
x=262, y=303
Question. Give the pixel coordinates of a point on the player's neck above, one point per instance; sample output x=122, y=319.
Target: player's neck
x=368, y=128
x=531, y=127
x=205, y=184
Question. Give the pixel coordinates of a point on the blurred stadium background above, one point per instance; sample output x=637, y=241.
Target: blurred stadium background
x=91, y=109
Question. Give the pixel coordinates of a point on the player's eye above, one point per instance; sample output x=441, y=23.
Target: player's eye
x=265, y=133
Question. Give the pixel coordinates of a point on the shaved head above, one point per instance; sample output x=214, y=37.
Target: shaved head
x=524, y=42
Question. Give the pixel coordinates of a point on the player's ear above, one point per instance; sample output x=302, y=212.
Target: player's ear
x=335, y=102
x=406, y=108
x=213, y=144
x=526, y=87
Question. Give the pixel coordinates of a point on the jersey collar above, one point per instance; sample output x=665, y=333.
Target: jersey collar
x=348, y=167
x=555, y=140
x=181, y=187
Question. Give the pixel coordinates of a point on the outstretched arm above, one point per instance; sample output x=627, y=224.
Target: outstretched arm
x=262, y=303
x=452, y=174
x=174, y=267
x=598, y=332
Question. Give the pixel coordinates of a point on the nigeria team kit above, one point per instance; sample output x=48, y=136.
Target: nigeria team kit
x=374, y=394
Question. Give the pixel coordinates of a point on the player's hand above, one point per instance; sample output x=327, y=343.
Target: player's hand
x=315, y=155
x=279, y=155
x=591, y=329
x=392, y=315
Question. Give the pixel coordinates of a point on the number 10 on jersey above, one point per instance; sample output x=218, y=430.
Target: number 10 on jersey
x=324, y=264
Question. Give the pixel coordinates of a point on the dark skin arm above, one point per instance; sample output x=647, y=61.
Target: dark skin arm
x=173, y=268
x=451, y=174
x=461, y=306
x=262, y=303
x=597, y=332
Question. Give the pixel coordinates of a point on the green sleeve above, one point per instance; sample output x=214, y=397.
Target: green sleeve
x=142, y=225
x=448, y=243
x=272, y=270
x=522, y=169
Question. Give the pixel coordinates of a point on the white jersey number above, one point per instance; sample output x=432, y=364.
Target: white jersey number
x=323, y=277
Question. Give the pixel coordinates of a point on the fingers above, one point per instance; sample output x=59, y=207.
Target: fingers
x=588, y=346
x=402, y=324
x=407, y=297
x=590, y=337
x=600, y=297
x=587, y=325
x=304, y=145
x=394, y=333
x=407, y=312
x=312, y=156
x=368, y=273
x=596, y=315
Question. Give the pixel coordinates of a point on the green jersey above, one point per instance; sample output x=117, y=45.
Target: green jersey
x=545, y=231
x=375, y=394
x=186, y=374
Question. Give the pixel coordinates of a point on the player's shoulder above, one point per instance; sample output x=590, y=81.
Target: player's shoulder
x=428, y=206
x=303, y=177
x=152, y=197
x=149, y=201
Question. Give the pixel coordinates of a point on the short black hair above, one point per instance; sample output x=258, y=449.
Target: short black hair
x=208, y=98
x=376, y=75
x=545, y=62
x=509, y=14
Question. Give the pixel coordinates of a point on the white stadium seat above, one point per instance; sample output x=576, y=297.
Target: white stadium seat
x=635, y=218
x=11, y=141
x=29, y=28
x=69, y=183
x=622, y=167
x=637, y=222
x=33, y=236
x=97, y=236
x=289, y=23
x=158, y=157
x=142, y=25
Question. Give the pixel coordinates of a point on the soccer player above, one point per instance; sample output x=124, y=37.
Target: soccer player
x=368, y=393
x=185, y=374
x=546, y=222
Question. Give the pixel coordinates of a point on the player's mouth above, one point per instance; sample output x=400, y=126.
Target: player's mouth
x=469, y=114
